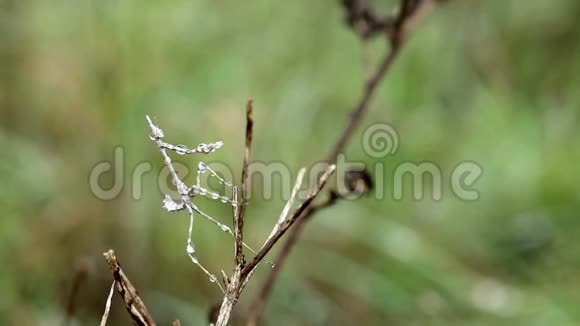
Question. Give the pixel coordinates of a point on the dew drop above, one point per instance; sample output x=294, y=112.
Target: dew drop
x=190, y=248
x=225, y=228
x=181, y=149
x=224, y=199
x=214, y=196
x=202, y=191
x=212, y=278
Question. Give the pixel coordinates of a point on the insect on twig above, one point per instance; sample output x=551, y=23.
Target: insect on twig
x=187, y=193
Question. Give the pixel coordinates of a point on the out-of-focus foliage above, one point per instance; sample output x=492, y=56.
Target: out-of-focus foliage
x=494, y=82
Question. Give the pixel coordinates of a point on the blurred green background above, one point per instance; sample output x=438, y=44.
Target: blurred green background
x=495, y=82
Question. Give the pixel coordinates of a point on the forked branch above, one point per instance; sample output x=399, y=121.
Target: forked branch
x=396, y=30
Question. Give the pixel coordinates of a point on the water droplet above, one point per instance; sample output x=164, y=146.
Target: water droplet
x=201, y=167
x=225, y=228
x=202, y=191
x=181, y=149
x=224, y=199
x=273, y=265
x=194, y=260
x=190, y=248
x=215, y=196
x=212, y=278
x=152, y=137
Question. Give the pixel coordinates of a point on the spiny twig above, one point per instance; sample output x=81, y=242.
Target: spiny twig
x=135, y=306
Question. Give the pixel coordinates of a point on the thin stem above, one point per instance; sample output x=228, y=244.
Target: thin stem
x=259, y=304
x=80, y=276
x=396, y=34
x=108, y=305
x=288, y=222
x=288, y=205
x=234, y=283
x=135, y=306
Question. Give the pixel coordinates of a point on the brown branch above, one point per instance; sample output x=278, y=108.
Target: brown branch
x=243, y=202
x=238, y=231
x=363, y=105
x=397, y=36
x=234, y=283
x=135, y=306
x=396, y=33
x=242, y=274
x=80, y=276
x=248, y=152
x=259, y=304
x=248, y=270
x=364, y=20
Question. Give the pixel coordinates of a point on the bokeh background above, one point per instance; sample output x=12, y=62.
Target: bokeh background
x=495, y=82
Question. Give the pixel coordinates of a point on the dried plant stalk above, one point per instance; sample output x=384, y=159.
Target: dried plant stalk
x=135, y=306
x=396, y=30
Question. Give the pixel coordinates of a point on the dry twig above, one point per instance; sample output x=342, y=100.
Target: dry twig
x=108, y=305
x=251, y=266
x=135, y=306
x=242, y=273
x=396, y=30
x=80, y=276
x=233, y=283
